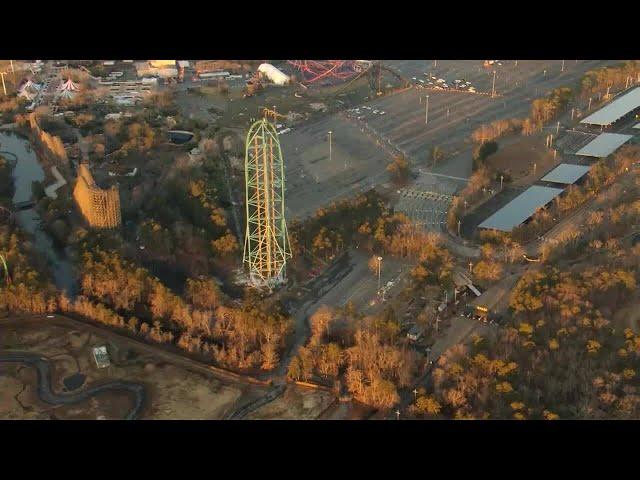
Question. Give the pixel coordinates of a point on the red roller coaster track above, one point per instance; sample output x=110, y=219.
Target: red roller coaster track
x=315, y=70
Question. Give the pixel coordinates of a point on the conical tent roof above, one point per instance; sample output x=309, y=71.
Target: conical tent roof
x=30, y=86
x=69, y=85
x=28, y=90
x=66, y=94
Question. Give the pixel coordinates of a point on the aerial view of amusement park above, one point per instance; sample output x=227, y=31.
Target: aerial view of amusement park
x=319, y=239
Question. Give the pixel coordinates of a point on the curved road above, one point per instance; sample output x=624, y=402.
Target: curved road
x=43, y=367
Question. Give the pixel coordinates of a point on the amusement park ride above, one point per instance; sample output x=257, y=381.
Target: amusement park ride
x=266, y=247
x=313, y=71
x=7, y=277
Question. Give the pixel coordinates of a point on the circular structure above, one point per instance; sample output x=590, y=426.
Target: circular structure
x=315, y=71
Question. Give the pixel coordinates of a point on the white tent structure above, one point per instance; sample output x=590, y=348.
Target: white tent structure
x=67, y=90
x=68, y=86
x=272, y=73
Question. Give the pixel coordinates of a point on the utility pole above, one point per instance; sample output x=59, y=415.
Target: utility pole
x=397, y=414
x=426, y=110
x=562, y=69
x=415, y=393
x=493, y=86
x=558, y=129
x=589, y=107
x=330, y=146
x=535, y=165
x=459, y=223
x=379, y=270
x=501, y=180
x=573, y=111
x=470, y=266
x=2, y=74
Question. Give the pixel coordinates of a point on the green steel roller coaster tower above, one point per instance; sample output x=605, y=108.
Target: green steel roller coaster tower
x=266, y=243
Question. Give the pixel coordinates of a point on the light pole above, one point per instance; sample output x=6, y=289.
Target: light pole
x=379, y=270
x=562, y=69
x=589, y=107
x=330, y=146
x=493, y=86
x=501, y=180
x=426, y=110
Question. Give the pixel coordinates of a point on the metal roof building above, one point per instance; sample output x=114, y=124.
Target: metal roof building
x=566, y=173
x=520, y=208
x=603, y=145
x=615, y=110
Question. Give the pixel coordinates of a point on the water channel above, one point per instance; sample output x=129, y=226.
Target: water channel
x=27, y=170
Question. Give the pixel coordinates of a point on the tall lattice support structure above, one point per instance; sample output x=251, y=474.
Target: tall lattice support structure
x=100, y=207
x=266, y=243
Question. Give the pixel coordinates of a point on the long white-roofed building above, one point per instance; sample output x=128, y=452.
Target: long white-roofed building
x=604, y=145
x=566, y=174
x=521, y=208
x=619, y=107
